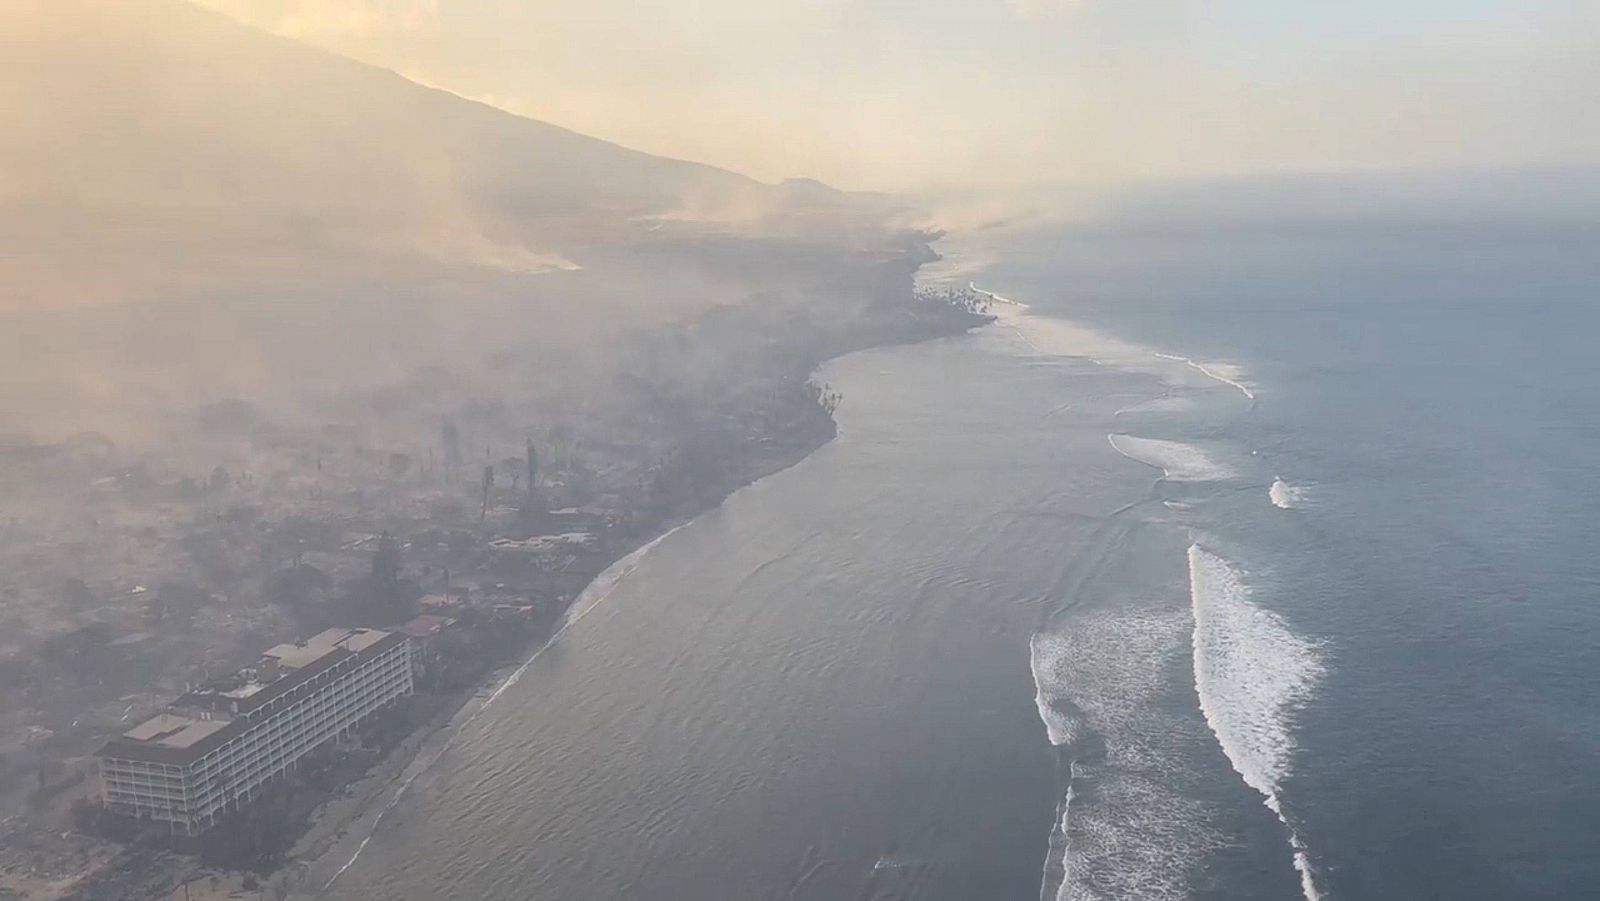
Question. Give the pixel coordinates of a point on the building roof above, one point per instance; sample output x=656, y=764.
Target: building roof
x=173, y=730
x=204, y=719
x=426, y=625
x=302, y=653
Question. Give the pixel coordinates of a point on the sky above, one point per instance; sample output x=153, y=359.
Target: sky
x=976, y=94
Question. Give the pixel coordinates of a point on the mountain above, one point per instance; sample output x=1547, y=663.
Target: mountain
x=194, y=212
x=159, y=146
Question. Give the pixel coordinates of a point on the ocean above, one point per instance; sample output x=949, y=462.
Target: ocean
x=1199, y=574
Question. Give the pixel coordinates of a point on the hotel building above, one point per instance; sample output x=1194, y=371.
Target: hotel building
x=218, y=745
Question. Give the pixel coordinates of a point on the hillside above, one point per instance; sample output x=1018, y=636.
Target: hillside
x=153, y=135
x=195, y=211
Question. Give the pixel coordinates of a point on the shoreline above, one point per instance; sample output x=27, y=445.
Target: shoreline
x=341, y=826
x=782, y=422
x=315, y=853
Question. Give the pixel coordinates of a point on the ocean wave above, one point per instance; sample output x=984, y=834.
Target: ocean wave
x=1126, y=827
x=995, y=297
x=1286, y=496
x=1051, y=336
x=1057, y=882
x=1252, y=672
x=1166, y=403
x=1227, y=373
x=1048, y=656
x=1178, y=461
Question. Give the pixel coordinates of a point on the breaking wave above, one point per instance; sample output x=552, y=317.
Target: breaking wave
x=1180, y=462
x=1128, y=826
x=1131, y=822
x=1050, y=336
x=1047, y=657
x=1226, y=373
x=1251, y=673
x=995, y=297
x=1286, y=496
x=1166, y=403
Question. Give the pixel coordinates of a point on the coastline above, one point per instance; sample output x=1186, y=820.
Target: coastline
x=772, y=414
x=333, y=842
x=329, y=848
x=340, y=827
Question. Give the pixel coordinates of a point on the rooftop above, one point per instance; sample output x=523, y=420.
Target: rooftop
x=301, y=653
x=174, y=730
x=426, y=625
x=210, y=714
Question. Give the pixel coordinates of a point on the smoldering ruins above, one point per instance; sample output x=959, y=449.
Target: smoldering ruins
x=252, y=396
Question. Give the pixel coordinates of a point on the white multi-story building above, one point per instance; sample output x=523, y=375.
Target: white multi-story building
x=218, y=745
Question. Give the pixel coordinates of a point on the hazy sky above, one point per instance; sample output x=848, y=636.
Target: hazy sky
x=899, y=94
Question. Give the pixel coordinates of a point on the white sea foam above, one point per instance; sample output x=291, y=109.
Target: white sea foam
x=1049, y=336
x=1286, y=496
x=1252, y=672
x=591, y=597
x=1047, y=656
x=1137, y=832
x=1056, y=884
x=995, y=297
x=1226, y=373
x=1166, y=403
x=1180, y=462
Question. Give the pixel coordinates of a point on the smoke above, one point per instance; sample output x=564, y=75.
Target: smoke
x=1008, y=93
x=1500, y=237
x=312, y=19
x=1041, y=9
x=196, y=212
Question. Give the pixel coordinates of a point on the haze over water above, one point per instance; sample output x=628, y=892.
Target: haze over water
x=822, y=688
x=1248, y=554
x=1212, y=598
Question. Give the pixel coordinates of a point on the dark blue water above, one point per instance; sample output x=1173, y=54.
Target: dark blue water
x=1440, y=433
x=1276, y=582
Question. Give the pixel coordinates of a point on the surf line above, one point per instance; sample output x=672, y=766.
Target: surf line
x=1023, y=337
x=1207, y=372
x=1251, y=674
x=1058, y=856
x=972, y=286
x=605, y=584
